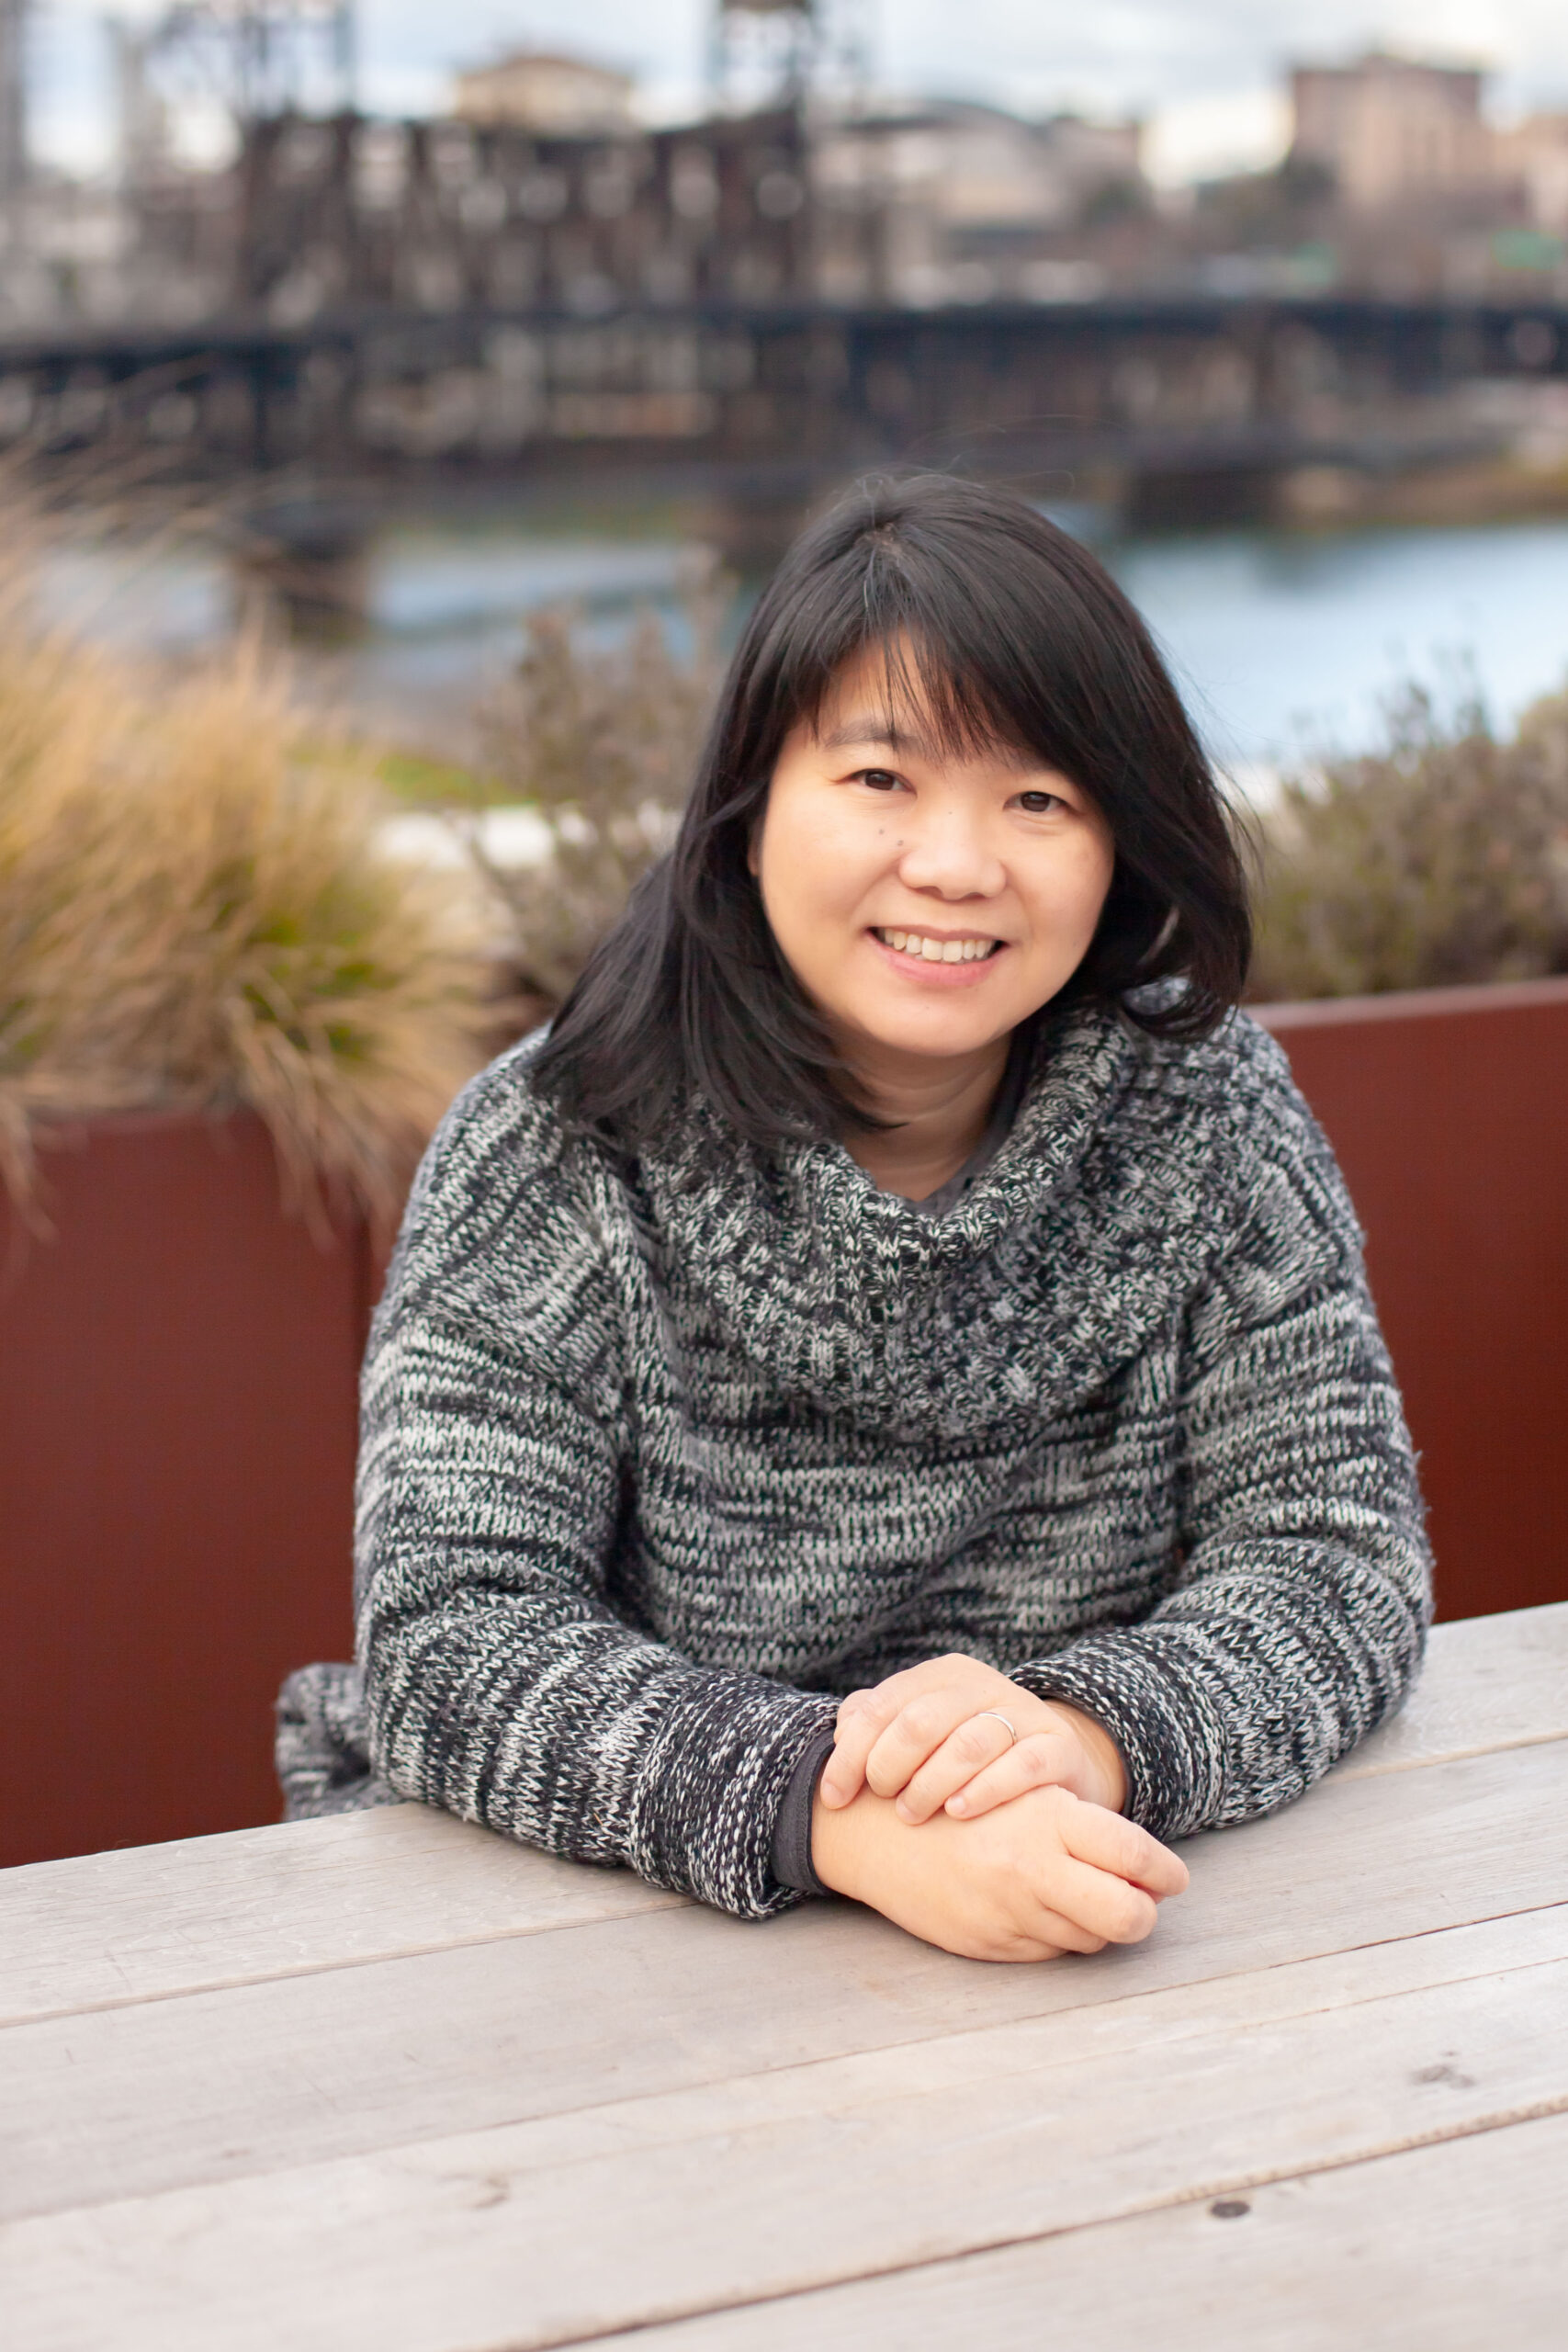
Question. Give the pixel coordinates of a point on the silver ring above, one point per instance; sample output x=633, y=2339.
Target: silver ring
x=996, y=1717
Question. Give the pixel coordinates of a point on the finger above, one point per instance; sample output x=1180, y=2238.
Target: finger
x=861, y=1720
x=1097, y=1902
x=1054, y=1928
x=972, y=1752
x=1000, y=1947
x=1108, y=1841
x=916, y=1732
x=1043, y=1759
x=1043, y=1934
x=864, y=1714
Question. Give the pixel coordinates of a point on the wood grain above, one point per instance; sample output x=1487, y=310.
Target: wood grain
x=1447, y=2249
x=215, y=2086
x=152, y=1922
x=1489, y=1684
x=547, y=2233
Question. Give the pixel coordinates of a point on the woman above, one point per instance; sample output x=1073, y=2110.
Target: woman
x=885, y=1398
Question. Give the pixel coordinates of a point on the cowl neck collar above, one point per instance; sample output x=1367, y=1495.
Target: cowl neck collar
x=1066, y=1250
x=1080, y=1067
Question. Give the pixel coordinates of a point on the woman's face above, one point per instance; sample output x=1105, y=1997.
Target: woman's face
x=927, y=903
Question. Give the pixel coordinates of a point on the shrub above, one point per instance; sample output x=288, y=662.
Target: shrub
x=602, y=742
x=194, y=914
x=1438, y=861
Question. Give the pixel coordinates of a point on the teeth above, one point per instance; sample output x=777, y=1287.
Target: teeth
x=938, y=951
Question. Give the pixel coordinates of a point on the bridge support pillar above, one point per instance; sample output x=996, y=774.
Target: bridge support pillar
x=303, y=566
x=1199, y=497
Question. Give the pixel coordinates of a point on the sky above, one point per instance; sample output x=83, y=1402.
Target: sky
x=1205, y=73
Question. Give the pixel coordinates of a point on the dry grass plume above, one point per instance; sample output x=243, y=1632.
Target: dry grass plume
x=194, y=914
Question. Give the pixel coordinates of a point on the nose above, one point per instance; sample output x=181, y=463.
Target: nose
x=945, y=853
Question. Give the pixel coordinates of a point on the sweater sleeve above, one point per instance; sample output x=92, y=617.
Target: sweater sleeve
x=501, y=1683
x=1300, y=1615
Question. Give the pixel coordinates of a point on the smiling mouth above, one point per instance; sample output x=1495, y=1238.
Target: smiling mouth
x=920, y=947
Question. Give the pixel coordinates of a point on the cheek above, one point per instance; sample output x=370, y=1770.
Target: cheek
x=811, y=865
x=1069, y=897
x=779, y=862
x=1099, y=872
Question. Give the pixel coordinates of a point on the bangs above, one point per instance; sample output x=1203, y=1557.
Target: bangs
x=924, y=693
x=987, y=643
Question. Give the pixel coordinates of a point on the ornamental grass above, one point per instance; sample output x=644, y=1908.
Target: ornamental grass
x=195, y=916
x=601, y=742
x=1438, y=861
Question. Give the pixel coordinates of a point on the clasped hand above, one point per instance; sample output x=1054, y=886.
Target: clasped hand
x=997, y=1848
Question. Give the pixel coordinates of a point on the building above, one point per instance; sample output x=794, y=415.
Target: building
x=560, y=97
x=953, y=201
x=1534, y=153
x=1390, y=130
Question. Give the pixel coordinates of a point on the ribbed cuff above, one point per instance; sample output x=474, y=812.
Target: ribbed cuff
x=1171, y=1742
x=790, y=1860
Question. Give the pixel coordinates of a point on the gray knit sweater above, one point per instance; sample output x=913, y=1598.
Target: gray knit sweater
x=658, y=1461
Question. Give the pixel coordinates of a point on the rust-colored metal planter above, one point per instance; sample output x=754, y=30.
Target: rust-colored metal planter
x=1449, y=1111
x=177, y=1404
x=178, y=1369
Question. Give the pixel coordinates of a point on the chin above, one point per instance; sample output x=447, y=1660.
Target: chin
x=941, y=1039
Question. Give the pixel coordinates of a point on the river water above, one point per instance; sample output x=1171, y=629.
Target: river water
x=1286, y=646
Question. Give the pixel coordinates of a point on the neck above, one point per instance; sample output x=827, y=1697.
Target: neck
x=937, y=1112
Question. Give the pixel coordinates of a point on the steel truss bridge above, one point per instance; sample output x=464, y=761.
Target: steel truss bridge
x=1208, y=397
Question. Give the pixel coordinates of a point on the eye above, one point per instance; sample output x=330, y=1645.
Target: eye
x=879, y=779
x=1040, y=804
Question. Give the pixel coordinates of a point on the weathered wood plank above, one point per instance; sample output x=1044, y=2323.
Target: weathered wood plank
x=542, y=2233
x=140, y=2098
x=162, y=1920
x=151, y=1921
x=1489, y=1684
x=1437, y=2249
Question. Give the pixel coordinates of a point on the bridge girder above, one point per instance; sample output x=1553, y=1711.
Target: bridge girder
x=1203, y=387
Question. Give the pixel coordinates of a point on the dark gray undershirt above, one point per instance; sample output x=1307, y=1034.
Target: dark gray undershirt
x=790, y=1860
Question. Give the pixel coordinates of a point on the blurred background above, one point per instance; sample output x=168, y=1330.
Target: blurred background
x=441, y=316
x=398, y=409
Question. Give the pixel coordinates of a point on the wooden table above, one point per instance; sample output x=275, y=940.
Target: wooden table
x=389, y=2085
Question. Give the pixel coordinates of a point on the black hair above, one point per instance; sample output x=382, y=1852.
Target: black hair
x=1017, y=635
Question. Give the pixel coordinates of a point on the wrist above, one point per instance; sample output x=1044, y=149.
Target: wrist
x=837, y=1836
x=856, y=1847
x=1106, y=1782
